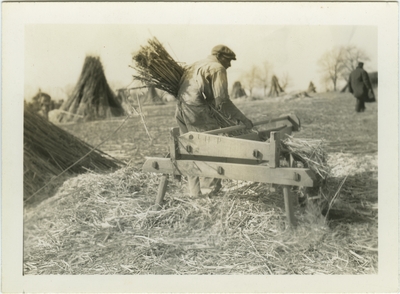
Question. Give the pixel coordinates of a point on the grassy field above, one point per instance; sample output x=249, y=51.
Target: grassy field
x=102, y=223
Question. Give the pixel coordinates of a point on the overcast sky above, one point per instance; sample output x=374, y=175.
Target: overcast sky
x=54, y=54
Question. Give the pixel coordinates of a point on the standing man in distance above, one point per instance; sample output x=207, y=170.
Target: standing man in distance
x=360, y=86
x=203, y=85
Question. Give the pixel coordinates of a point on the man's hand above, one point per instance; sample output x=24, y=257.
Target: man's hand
x=371, y=94
x=248, y=123
x=229, y=109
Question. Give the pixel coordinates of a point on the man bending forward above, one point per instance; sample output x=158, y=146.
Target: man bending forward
x=205, y=83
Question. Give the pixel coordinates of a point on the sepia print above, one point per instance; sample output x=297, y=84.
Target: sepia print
x=201, y=149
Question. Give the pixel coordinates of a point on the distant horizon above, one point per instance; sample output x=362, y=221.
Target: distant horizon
x=54, y=53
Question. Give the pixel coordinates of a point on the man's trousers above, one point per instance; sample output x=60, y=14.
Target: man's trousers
x=196, y=184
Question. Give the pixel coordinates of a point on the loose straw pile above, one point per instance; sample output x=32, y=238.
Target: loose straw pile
x=106, y=227
x=310, y=152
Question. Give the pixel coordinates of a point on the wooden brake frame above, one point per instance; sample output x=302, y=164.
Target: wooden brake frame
x=246, y=158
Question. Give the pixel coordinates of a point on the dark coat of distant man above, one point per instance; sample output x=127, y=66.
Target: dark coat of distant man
x=360, y=86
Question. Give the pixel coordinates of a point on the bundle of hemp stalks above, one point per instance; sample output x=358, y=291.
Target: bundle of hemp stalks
x=156, y=68
x=49, y=151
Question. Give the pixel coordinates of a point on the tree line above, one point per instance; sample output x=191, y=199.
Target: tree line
x=337, y=64
x=334, y=66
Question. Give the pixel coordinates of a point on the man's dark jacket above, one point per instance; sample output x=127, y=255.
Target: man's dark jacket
x=359, y=84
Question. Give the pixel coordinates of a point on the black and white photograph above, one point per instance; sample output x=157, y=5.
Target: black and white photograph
x=200, y=147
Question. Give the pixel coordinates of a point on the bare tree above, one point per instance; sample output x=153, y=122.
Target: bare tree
x=331, y=65
x=251, y=79
x=264, y=76
x=327, y=83
x=351, y=56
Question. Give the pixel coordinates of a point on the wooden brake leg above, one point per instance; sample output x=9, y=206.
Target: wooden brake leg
x=287, y=194
x=295, y=196
x=273, y=163
x=162, y=188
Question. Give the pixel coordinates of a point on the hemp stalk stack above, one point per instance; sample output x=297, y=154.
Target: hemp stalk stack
x=49, y=151
x=156, y=68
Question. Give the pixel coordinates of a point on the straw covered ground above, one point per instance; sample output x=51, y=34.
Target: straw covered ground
x=102, y=224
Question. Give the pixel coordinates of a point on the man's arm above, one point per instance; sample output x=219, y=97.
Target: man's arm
x=219, y=84
x=366, y=80
x=367, y=83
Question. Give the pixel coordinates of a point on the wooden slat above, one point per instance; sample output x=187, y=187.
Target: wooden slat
x=287, y=119
x=173, y=143
x=287, y=194
x=162, y=188
x=219, y=146
x=242, y=127
x=275, y=148
x=254, y=173
x=249, y=136
x=261, y=134
x=222, y=159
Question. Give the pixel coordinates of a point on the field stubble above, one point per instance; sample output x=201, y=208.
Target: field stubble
x=102, y=224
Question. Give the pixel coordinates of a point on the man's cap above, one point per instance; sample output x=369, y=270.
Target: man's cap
x=224, y=50
x=360, y=63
